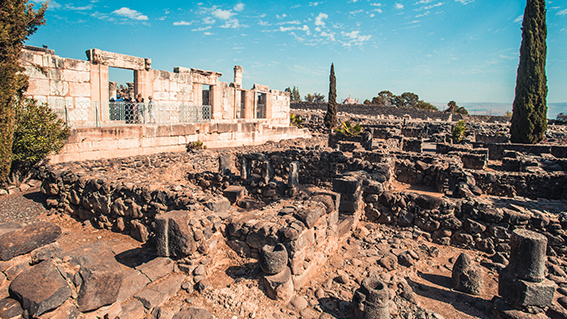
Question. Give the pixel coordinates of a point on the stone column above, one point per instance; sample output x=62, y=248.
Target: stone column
x=268, y=113
x=527, y=256
x=371, y=300
x=249, y=104
x=237, y=76
x=293, y=177
x=245, y=169
x=267, y=171
x=99, y=113
x=523, y=282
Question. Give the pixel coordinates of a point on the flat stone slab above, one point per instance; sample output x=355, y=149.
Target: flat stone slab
x=40, y=288
x=155, y=295
x=23, y=240
x=133, y=282
x=132, y=309
x=193, y=313
x=157, y=268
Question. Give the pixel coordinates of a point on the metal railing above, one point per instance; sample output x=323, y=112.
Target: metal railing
x=93, y=114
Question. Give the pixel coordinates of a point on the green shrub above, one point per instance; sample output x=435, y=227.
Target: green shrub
x=459, y=131
x=198, y=145
x=37, y=133
x=295, y=120
x=348, y=129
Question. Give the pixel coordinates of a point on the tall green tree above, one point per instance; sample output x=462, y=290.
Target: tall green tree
x=18, y=20
x=529, y=116
x=331, y=115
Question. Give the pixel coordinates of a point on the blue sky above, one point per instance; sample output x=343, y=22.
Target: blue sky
x=442, y=50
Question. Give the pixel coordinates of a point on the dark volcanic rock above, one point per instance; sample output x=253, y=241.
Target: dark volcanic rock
x=23, y=240
x=466, y=276
x=100, y=273
x=40, y=288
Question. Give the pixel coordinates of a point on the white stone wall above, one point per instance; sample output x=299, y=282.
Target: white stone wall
x=280, y=106
x=172, y=87
x=62, y=83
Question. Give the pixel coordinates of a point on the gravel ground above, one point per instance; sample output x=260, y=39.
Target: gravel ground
x=23, y=207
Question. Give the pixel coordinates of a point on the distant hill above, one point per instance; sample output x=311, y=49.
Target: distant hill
x=488, y=108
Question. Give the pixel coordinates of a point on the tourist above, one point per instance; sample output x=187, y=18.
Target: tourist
x=138, y=108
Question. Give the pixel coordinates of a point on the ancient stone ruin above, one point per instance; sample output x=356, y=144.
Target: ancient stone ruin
x=398, y=222
x=189, y=105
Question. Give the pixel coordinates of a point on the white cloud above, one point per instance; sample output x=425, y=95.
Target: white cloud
x=130, y=14
x=433, y=6
x=182, y=23
x=239, y=7
x=289, y=22
x=319, y=19
x=378, y=10
x=399, y=6
x=465, y=1
x=562, y=12
x=207, y=33
x=328, y=35
x=424, y=2
x=377, y=4
x=314, y=4
x=83, y=8
x=519, y=19
x=354, y=38
x=208, y=20
x=223, y=14
x=201, y=29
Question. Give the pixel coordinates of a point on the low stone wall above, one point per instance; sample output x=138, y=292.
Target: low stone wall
x=132, y=140
x=496, y=150
x=474, y=224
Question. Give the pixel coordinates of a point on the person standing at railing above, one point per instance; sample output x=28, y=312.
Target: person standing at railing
x=138, y=108
x=151, y=110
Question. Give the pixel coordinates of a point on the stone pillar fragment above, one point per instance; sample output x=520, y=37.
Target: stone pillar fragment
x=267, y=171
x=527, y=256
x=372, y=299
x=225, y=164
x=523, y=282
x=293, y=177
x=245, y=170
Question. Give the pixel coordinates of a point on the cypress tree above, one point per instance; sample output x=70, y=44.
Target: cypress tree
x=331, y=115
x=529, y=117
x=18, y=20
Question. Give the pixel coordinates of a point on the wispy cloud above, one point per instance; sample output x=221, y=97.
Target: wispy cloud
x=354, y=38
x=182, y=23
x=562, y=12
x=465, y=1
x=130, y=14
x=202, y=29
x=399, y=6
x=83, y=8
x=519, y=19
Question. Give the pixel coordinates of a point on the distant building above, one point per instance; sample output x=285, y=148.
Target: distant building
x=350, y=100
